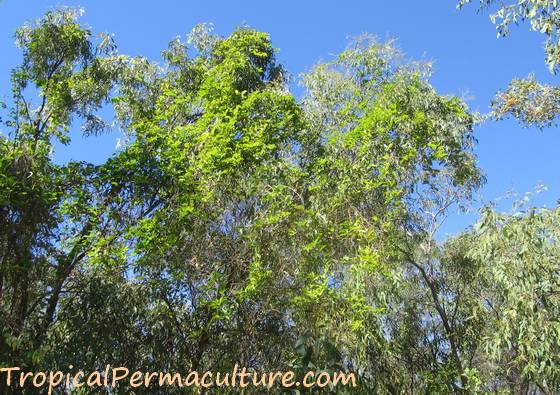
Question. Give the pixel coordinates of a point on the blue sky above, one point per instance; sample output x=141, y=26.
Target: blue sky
x=469, y=61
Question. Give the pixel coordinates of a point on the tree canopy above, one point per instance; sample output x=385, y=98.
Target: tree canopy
x=238, y=224
x=527, y=100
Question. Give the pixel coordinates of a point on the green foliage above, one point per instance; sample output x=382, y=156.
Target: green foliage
x=236, y=224
x=523, y=285
x=47, y=216
x=528, y=101
x=542, y=15
x=525, y=99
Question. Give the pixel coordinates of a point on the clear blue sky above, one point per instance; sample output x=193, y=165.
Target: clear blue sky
x=469, y=62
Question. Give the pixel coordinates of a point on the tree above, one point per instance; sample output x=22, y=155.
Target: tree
x=268, y=220
x=530, y=102
x=237, y=224
x=50, y=215
x=394, y=150
x=522, y=335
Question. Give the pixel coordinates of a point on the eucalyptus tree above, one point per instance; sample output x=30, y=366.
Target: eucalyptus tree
x=236, y=224
x=267, y=232
x=499, y=285
x=527, y=100
x=394, y=158
x=49, y=214
x=518, y=256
